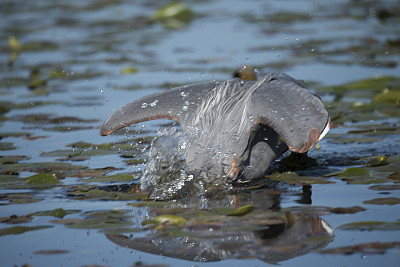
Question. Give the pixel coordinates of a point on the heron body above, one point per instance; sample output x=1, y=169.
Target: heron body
x=235, y=127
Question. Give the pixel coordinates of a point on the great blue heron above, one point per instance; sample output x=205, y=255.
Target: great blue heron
x=237, y=128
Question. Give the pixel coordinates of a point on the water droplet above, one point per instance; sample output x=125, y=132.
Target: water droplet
x=101, y=90
x=144, y=105
x=154, y=103
x=185, y=106
x=304, y=108
x=184, y=94
x=274, y=111
x=265, y=138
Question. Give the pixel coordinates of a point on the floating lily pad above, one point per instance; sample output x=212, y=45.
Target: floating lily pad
x=51, y=252
x=103, y=219
x=349, y=210
x=16, y=230
x=43, y=179
x=388, y=187
x=166, y=219
x=14, y=219
x=371, y=226
x=365, y=248
x=355, y=171
x=121, y=177
x=241, y=211
x=93, y=193
x=293, y=178
x=58, y=213
x=7, y=146
x=18, y=198
x=12, y=159
x=383, y=201
x=173, y=16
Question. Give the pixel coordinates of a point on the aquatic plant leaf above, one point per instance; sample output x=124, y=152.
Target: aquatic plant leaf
x=241, y=211
x=364, y=248
x=43, y=179
x=349, y=210
x=378, y=161
x=7, y=146
x=166, y=219
x=16, y=230
x=50, y=252
x=18, y=198
x=388, y=97
x=13, y=134
x=12, y=159
x=173, y=16
x=354, y=171
x=58, y=213
x=103, y=219
x=295, y=179
x=106, y=195
x=371, y=226
x=120, y=177
x=43, y=167
x=126, y=71
x=386, y=187
x=383, y=201
x=14, y=219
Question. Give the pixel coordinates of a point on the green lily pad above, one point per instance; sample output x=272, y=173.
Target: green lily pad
x=120, y=177
x=174, y=15
x=350, y=210
x=383, y=201
x=355, y=171
x=18, y=198
x=12, y=159
x=43, y=179
x=365, y=248
x=58, y=213
x=16, y=230
x=166, y=219
x=93, y=193
x=241, y=211
x=295, y=179
x=7, y=146
x=388, y=97
x=14, y=219
x=104, y=219
x=371, y=226
x=129, y=70
x=386, y=187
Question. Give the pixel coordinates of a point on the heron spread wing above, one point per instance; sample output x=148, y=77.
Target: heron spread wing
x=176, y=104
x=283, y=104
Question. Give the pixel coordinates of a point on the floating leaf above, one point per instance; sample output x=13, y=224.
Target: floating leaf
x=43, y=179
x=12, y=159
x=365, y=248
x=51, y=252
x=16, y=230
x=349, y=210
x=386, y=187
x=383, y=201
x=349, y=172
x=371, y=226
x=7, y=146
x=166, y=219
x=129, y=70
x=58, y=213
x=293, y=178
x=14, y=219
x=241, y=211
x=378, y=161
x=388, y=97
x=120, y=177
x=174, y=16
